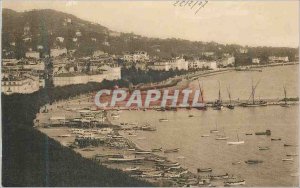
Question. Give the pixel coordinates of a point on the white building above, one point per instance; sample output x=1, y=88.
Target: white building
x=55, y=52
x=109, y=73
x=275, y=59
x=243, y=50
x=208, y=54
x=32, y=54
x=178, y=63
x=255, y=60
x=137, y=56
x=98, y=53
x=60, y=39
x=227, y=61
x=20, y=84
x=200, y=64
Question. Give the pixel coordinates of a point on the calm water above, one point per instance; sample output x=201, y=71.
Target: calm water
x=201, y=152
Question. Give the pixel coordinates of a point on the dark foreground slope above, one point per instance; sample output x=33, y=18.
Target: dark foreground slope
x=32, y=159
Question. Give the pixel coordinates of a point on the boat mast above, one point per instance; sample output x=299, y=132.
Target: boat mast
x=285, y=99
x=253, y=92
x=201, y=91
x=219, y=92
x=229, y=95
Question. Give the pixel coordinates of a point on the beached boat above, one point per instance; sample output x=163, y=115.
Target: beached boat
x=171, y=150
x=156, y=149
x=204, y=170
x=248, y=134
x=236, y=142
x=217, y=177
x=125, y=159
x=234, y=183
x=191, y=115
x=142, y=152
x=267, y=132
x=253, y=161
x=64, y=135
x=131, y=169
x=159, y=160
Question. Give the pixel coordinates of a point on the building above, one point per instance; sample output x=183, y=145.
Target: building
x=108, y=73
x=243, y=50
x=60, y=39
x=98, y=53
x=226, y=61
x=255, y=60
x=55, y=52
x=208, y=54
x=178, y=63
x=137, y=56
x=19, y=84
x=275, y=59
x=32, y=54
x=202, y=64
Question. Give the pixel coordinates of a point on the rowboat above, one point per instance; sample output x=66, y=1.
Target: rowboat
x=204, y=170
x=239, y=182
x=287, y=159
x=253, y=161
x=171, y=150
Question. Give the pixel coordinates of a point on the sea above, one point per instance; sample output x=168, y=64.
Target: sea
x=185, y=132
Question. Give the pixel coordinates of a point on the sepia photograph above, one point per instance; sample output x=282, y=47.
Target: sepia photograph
x=128, y=93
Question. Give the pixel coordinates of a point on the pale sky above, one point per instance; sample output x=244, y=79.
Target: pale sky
x=253, y=23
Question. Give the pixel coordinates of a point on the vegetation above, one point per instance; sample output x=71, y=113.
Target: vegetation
x=30, y=158
x=46, y=25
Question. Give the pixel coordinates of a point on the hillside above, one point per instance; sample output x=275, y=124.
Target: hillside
x=46, y=25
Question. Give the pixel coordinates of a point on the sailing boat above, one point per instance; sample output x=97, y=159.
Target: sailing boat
x=218, y=104
x=203, y=107
x=285, y=99
x=230, y=105
x=215, y=130
x=254, y=103
x=222, y=137
x=237, y=142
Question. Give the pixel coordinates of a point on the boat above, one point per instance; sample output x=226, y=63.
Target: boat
x=253, y=161
x=64, y=135
x=267, y=132
x=285, y=99
x=275, y=139
x=216, y=177
x=203, y=105
x=289, y=145
x=287, y=159
x=215, y=130
x=238, y=182
x=205, y=135
x=140, y=152
x=125, y=159
x=130, y=169
x=291, y=155
x=163, y=120
x=222, y=137
x=218, y=105
x=171, y=150
x=230, y=105
x=156, y=149
x=248, y=134
x=263, y=148
x=254, y=103
x=236, y=142
x=191, y=115
x=159, y=160
x=204, y=170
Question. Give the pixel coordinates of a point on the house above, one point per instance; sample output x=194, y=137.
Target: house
x=243, y=50
x=60, y=39
x=166, y=65
x=27, y=39
x=226, y=61
x=255, y=60
x=114, y=34
x=78, y=34
x=94, y=39
x=98, y=53
x=32, y=54
x=55, y=52
x=137, y=56
x=208, y=54
x=275, y=59
x=74, y=39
